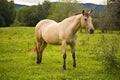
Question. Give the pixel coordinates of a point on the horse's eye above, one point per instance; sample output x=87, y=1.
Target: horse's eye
x=85, y=19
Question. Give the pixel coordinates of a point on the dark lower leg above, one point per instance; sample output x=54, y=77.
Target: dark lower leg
x=64, y=61
x=74, y=61
x=39, y=58
x=39, y=53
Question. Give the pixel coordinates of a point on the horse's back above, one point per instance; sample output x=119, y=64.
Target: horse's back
x=44, y=22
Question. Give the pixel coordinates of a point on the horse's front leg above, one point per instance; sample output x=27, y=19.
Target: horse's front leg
x=64, y=54
x=72, y=45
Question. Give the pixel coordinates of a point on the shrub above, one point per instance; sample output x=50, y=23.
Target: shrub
x=107, y=53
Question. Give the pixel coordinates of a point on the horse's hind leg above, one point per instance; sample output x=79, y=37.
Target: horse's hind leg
x=40, y=48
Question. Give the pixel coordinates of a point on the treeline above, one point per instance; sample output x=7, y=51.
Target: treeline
x=31, y=15
x=7, y=13
x=109, y=20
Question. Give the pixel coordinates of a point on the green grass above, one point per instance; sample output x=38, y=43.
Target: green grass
x=17, y=64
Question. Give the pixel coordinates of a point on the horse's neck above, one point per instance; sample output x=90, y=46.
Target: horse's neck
x=74, y=23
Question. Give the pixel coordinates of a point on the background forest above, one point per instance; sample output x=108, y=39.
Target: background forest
x=107, y=19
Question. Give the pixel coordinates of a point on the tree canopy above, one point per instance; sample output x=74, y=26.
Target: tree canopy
x=31, y=15
x=7, y=12
x=110, y=18
x=59, y=11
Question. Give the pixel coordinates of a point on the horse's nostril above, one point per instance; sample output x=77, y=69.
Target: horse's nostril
x=91, y=31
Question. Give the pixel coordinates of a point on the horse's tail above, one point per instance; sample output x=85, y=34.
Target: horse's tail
x=33, y=50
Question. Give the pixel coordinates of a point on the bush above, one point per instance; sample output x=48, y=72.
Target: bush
x=107, y=53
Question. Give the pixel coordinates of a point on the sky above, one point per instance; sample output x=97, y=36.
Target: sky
x=35, y=2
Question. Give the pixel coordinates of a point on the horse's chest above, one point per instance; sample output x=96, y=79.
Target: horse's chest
x=71, y=39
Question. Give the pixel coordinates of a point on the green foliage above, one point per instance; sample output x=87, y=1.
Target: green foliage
x=7, y=12
x=59, y=11
x=27, y=16
x=114, y=11
x=31, y=15
x=107, y=53
x=109, y=19
x=16, y=64
x=95, y=17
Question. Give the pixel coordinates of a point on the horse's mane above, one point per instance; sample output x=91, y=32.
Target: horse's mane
x=74, y=14
x=77, y=13
x=86, y=14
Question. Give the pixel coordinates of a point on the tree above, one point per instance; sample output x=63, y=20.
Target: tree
x=31, y=15
x=43, y=10
x=26, y=16
x=109, y=19
x=61, y=10
x=110, y=16
x=117, y=14
x=7, y=12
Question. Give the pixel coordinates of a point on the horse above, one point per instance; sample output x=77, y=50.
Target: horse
x=61, y=33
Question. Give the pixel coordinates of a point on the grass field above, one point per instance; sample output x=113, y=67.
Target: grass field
x=17, y=64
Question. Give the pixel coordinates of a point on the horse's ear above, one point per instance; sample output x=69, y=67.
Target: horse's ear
x=83, y=12
x=90, y=11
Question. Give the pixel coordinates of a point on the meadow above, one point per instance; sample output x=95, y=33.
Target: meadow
x=16, y=63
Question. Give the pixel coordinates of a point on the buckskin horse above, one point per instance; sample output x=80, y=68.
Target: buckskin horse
x=63, y=33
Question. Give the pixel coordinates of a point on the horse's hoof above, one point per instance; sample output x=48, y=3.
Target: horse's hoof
x=64, y=68
x=38, y=62
x=74, y=66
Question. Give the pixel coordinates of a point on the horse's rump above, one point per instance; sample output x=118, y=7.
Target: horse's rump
x=43, y=23
x=46, y=29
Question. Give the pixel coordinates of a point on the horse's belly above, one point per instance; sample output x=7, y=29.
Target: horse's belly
x=54, y=41
x=51, y=36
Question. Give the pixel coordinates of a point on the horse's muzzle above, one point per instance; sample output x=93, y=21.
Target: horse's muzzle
x=91, y=31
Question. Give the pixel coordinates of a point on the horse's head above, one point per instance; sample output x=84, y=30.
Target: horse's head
x=86, y=21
